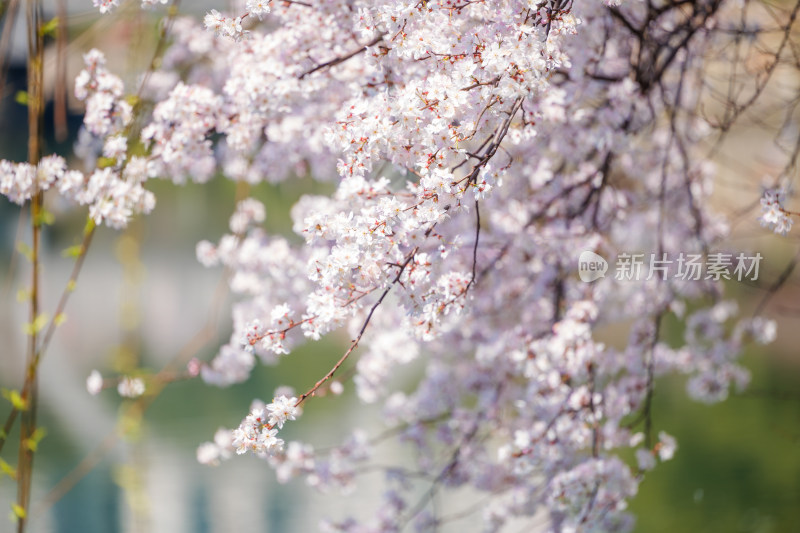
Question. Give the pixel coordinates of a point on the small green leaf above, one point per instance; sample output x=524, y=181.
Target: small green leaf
x=73, y=251
x=44, y=217
x=60, y=319
x=21, y=97
x=49, y=28
x=19, y=512
x=7, y=469
x=32, y=328
x=15, y=398
x=105, y=162
x=90, y=225
x=132, y=99
x=32, y=443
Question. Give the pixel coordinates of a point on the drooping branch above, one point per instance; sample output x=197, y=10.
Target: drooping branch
x=354, y=343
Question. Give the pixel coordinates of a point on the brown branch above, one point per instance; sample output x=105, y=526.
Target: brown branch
x=477, y=239
x=68, y=290
x=30, y=388
x=354, y=343
x=498, y=136
x=52, y=326
x=737, y=110
x=296, y=2
x=343, y=58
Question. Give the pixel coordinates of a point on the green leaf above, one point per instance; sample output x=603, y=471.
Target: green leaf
x=44, y=217
x=15, y=398
x=49, y=28
x=21, y=97
x=73, y=251
x=19, y=512
x=89, y=227
x=32, y=328
x=60, y=319
x=105, y=162
x=7, y=469
x=32, y=442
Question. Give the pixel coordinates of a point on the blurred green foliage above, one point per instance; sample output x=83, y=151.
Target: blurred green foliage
x=737, y=468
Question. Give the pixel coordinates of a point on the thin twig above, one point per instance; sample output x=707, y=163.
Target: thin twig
x=342, y=59
x=53, y=324
x=68, y=289
x=777, y=284
x=203, y=336
x=354, y=344
x=30, y=388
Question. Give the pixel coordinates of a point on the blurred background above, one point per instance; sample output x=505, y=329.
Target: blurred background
x=143, y=301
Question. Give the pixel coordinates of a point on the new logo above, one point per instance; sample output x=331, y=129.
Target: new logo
x=591, y=266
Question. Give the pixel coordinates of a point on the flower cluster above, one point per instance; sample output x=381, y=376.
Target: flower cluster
x=127, y=386
x=476, y=146
x=177, y=134
x=773, y=214
x=107, y=6
x=130, y=387
x=114, y=193
x=257, y=432
x=20, y=181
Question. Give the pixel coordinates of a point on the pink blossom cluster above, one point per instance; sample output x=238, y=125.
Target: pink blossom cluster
x=478, y=147
x=257, y=433
x=774, y=215
x=114, y=190
x=107, y=6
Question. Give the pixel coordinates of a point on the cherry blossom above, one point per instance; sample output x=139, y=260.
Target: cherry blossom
x=473, y=150
x=130, y=387
x=773, y=213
